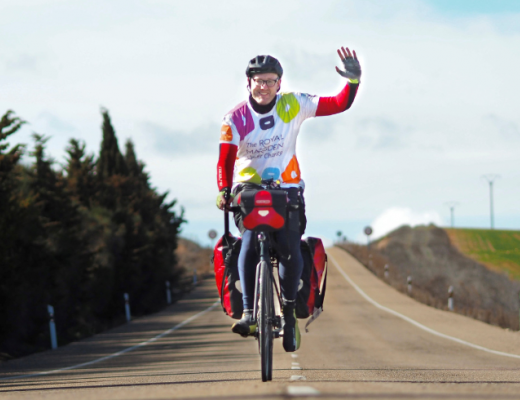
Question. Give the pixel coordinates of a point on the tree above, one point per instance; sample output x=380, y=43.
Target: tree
x=22, y=257
x=78, y=238
x=111, y=161
x=80, y=173
x=9, y=124
x=131, y=160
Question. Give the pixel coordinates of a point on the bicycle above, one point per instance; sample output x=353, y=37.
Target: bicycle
x=267, y=307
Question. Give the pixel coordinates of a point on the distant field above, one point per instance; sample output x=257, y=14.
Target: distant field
x=499, y=250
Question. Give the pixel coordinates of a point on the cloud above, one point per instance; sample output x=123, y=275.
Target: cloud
x=507, y=129
x=300, y=64
x=50, y=123
x=203, y=139
x=395, y=217
x=22, y=62
x=380, y=133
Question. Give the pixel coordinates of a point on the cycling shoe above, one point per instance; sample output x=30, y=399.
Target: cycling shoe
x=245, y=326
x=291, y=331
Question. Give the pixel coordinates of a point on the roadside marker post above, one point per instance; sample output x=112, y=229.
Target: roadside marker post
x=387, y=273
x=450, y=298
x=194, y=277
x=127, y=307
x=368, y=231
x=409, y=283
x=52, y=326
x=168, y=293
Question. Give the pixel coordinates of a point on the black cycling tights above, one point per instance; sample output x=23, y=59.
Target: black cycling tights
x=291, y=261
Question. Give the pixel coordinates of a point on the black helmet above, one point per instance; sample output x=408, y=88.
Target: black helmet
x=263, y=64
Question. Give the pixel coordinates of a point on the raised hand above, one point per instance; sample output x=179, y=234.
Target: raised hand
x=350, y=63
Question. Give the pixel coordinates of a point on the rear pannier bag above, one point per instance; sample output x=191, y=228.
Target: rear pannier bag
x=225, y=265
x=313, y=283
x=262, y=210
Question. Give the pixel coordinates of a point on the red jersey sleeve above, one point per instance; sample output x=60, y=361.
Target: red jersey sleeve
x=339, y=103
x=226, y=164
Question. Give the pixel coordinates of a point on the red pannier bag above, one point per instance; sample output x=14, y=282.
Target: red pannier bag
x=311, y=294
x=225, y=265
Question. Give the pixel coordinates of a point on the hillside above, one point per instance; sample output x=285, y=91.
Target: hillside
x=429, y=256
x=192, y=257
x=498, y=250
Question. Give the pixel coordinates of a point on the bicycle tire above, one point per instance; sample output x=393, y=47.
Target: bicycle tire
x=265, y=322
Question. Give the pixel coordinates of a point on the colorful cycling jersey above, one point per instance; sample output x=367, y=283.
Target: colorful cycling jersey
x=267, y=142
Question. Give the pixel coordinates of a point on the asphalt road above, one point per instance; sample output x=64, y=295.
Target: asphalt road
x=370, y=343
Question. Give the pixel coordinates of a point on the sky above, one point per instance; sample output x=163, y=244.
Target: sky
x=437, y=107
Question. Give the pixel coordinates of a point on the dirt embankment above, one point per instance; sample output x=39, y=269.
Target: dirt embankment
x=193, y=259
x=426, y=254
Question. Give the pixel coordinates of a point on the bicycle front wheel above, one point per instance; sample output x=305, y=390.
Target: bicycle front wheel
x=265, y=322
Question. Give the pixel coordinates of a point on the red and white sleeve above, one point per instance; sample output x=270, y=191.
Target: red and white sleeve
x=226, y=164
x=339, y=103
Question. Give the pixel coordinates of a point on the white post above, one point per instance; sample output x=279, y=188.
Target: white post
x=194, y=276
x=387, y=273
x=127, y=307
x=450, y=298
x=52, y=326
x=409, y=282
x=168, y=293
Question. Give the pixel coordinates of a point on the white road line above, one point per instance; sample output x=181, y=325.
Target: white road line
x=295, y=363
x=298, y=378
x=413, y=322
x=294, y=355
x=119, y=353
x=296, y=368
x=301, y=391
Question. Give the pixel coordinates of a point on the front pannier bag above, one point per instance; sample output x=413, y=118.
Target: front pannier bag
x=311, y=292
x=304, y=288
x=263, y=210
x=225, y=265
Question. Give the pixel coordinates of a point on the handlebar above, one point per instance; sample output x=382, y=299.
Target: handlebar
x=290, y=207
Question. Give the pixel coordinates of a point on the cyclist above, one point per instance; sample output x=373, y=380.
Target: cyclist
x=258, y=142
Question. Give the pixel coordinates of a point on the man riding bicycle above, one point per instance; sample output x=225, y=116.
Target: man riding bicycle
x=258, y=142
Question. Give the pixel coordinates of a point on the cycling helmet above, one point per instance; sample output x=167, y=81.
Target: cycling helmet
x=263, y=64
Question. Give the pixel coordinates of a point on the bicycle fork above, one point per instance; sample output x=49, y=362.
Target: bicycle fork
x=261, y=239
x=265, y=258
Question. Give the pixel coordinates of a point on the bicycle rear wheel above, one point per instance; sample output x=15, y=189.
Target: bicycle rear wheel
x=265, y=322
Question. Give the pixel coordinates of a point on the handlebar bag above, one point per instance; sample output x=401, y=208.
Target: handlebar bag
x=263, y=210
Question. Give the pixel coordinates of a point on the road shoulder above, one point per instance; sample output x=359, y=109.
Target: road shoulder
x=445, y=322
